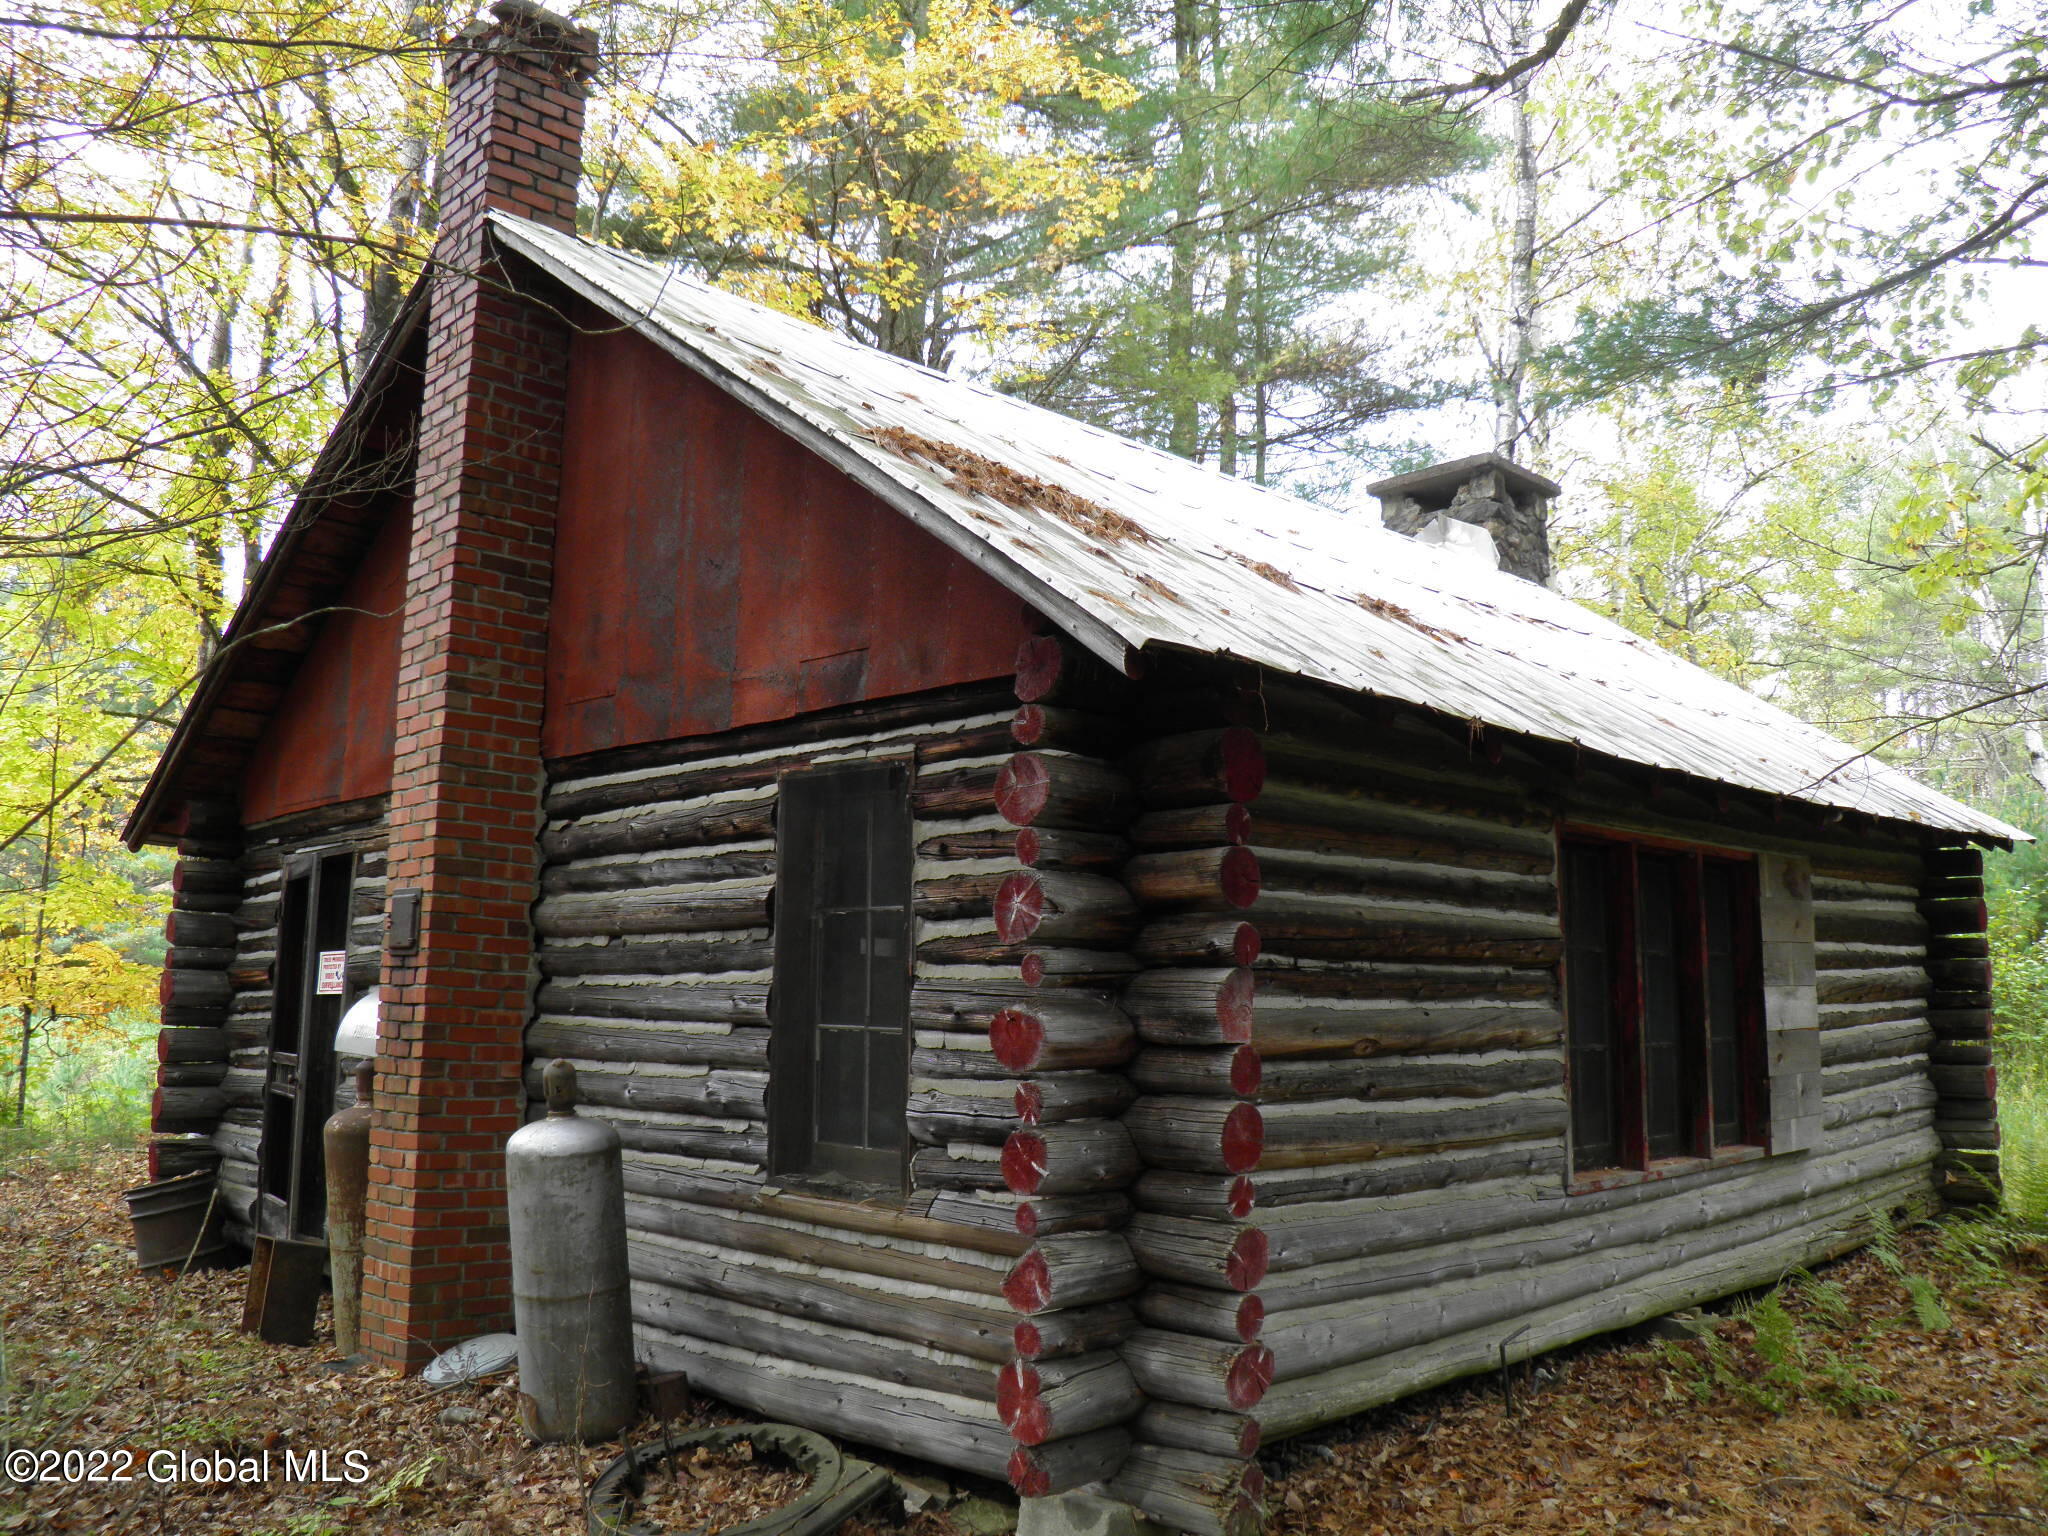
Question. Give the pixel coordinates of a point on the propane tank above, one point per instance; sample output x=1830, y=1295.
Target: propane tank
x=346, y=1138
x=570, y=1304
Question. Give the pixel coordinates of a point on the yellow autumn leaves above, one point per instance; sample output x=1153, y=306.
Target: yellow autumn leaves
x=884, y=152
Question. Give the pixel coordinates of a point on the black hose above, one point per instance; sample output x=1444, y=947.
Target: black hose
x=838, y=1484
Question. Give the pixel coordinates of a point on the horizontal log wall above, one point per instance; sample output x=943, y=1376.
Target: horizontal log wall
x=358, y=826
x=193, y=995
x=884, y=1322
x=1959, y=1019
x=1351, y=1078
x=1237, y=1088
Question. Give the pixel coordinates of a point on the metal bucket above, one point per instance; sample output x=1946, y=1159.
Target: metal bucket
x=177, y=1219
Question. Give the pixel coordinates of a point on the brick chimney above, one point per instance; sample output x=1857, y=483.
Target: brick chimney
x=467, y=777
x=1485, y=491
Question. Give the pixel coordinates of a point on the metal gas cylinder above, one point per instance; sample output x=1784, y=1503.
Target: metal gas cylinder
x=347, y=1140
x=570, y=1302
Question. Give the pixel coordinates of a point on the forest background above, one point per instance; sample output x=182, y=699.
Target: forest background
x=1758, y=282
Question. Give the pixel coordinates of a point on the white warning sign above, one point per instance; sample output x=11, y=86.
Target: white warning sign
x=333, y=973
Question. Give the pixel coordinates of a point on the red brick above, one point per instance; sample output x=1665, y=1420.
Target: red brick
x=467, y=776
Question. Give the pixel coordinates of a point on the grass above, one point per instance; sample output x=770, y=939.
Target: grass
x=2023, y=1155
x=86, y=1097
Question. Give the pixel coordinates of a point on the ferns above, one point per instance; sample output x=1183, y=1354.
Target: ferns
x=2023, y=1155
x=1804, y=1342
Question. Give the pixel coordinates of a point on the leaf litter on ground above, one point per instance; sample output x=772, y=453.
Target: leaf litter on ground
x=1945, y=1430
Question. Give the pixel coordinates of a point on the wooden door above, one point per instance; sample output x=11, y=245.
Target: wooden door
x=307, y=1002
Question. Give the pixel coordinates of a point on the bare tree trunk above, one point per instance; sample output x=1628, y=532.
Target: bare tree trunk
x=1231, y=358
x=35, y=959
x=410, y=212
x=1184, y=411
x=210, y=544
x=1515, y=428
x=2030, y=659
x=1261, y=360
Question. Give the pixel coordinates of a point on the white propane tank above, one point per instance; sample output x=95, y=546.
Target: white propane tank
x=570, y=1303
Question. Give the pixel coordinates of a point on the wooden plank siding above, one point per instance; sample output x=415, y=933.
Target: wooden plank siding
x=708, y=577
x=329, y=738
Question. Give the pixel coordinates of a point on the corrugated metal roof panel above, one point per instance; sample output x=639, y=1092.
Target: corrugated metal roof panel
x=1134, y=546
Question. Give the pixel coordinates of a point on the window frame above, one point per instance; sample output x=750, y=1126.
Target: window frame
x=1703, y=1144
x=797, y=1151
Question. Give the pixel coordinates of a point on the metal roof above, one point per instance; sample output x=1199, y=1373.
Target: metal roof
x=1127, y=546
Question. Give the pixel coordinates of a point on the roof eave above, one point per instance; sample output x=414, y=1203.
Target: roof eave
x=369, y=391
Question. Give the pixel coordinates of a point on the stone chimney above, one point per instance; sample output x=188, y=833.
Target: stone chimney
x=1486, y=491
x=466, y=770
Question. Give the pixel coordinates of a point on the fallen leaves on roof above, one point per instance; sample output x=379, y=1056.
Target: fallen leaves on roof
x=1386, y=610
x=975, y=472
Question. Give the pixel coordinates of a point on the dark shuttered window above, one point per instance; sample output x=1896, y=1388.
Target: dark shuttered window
x=1663, y=1002
x=840, y=1065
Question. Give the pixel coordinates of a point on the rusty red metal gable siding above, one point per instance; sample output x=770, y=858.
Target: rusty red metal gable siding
x=711, y=573
x=330, y=740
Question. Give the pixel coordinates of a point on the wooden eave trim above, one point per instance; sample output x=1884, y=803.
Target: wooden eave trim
x=270, y=581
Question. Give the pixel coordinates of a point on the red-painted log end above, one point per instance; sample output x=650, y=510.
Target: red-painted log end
x=1245, y=1267
x=1016, y=1385
x=1022, y=788
x=1234, y=1005
x=1247, y=1071
x=1030, y=1102
x=1020, y=907
x=1028, y=1286
x=1040, y=661
x=1243, y=1196
x=1026, y=1476
x=1024, y=1162
x=1244, y=1138
x=1244, y=764
x=1250, y=1374
x=1239, y=877
x=1016, y=1038
x=1237, y=824
x=1027, y=726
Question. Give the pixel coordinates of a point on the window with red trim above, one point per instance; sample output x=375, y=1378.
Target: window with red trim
x=1663, y=989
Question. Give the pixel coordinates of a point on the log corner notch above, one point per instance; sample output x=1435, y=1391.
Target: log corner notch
x=195, y=991
x=1068, y=1397
x=1959, y=1011
x=1133, y=843
x=1198, y=1358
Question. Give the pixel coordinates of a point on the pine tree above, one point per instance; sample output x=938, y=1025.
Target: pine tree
x=1224, y=314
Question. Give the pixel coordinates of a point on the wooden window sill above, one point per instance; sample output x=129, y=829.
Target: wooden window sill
x=1663, y=1168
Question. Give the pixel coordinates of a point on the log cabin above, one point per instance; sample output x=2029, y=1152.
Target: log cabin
x=1094, y=963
